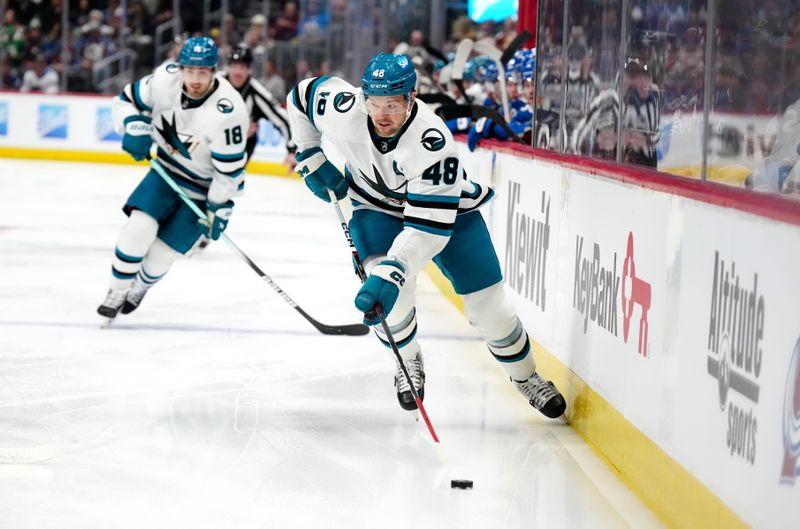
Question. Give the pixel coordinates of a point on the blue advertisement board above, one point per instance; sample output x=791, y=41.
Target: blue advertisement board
x=53, y=121
x=105, y=125
x=3, y=118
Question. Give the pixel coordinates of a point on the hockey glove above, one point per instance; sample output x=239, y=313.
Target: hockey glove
x=381, y=288
x=138, y=137
x=217, y=218
x=477, y=132
x=320, y=175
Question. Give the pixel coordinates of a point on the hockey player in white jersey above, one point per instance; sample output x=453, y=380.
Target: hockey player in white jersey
x=412, y=204
x=199, y=124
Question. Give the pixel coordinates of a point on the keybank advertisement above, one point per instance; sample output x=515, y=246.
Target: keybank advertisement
x=612, y=295
x=682, y=315
x=84, y=123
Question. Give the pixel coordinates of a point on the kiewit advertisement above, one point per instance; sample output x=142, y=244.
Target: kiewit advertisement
x=526, y=217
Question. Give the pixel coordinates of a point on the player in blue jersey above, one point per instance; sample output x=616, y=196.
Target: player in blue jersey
x=199, y=123
x=412, y=204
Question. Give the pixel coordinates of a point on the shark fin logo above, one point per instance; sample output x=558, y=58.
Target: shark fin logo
x=177, y=142
x=433, y=140
x=344, y=101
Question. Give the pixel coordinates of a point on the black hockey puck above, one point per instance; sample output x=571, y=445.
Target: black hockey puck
x=460, y=483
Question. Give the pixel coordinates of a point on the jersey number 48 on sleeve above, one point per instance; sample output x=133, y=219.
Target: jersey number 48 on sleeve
x=435, y=175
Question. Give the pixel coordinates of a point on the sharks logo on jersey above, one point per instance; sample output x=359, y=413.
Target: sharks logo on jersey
x=433, y=140
x=395, y=196
x=225, y=106
x=344, y=101
x=177, y=142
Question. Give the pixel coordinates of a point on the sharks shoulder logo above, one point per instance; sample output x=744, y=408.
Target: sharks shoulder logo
x=172, y=67
x=225, y=106
x=344, y=101
x=176, y=141
x=433, y=140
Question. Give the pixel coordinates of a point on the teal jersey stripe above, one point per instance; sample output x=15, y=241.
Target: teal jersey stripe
x=402, y=343
x=314, y=85
x=228, y=157
x=121, y=275
x=296, y=99
x=428, y=229
x=303, y=155
x=231, y=174
x=162, y=154
x=433, y=198
x=127, y=258
x=138, y=99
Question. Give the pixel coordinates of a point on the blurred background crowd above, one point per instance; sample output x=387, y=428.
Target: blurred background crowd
x=698, y=88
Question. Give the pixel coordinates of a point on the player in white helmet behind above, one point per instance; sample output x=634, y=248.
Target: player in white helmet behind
x=412, y=204
x=199, y=124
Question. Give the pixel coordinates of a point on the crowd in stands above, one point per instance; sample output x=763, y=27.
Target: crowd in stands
x=756, y=56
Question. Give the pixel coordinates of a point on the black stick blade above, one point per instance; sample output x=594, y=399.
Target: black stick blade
x=514, y=46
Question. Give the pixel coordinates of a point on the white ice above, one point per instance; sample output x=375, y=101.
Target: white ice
x=216, y=405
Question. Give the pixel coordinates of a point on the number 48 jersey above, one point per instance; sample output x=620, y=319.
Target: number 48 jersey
x=201, y=142
x=416, y=175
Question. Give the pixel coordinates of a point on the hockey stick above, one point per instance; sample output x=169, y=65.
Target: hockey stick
x=496, y=55
x=362, y=274
x=448, y=112
x=355, y=329
x=463, y=52
x=515, y=45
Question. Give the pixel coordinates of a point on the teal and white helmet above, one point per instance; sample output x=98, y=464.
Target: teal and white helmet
x=198, y=51
x=387, y=74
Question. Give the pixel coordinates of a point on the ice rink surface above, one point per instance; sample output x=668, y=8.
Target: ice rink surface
x=215, y=405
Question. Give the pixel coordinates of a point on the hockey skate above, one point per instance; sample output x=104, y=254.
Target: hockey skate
x=135, y=296
x=542, y=395
x=111, y=305
x=416, y=369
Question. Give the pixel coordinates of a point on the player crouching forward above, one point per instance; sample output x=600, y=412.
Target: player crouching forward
x=199, y=124
x=412, y=203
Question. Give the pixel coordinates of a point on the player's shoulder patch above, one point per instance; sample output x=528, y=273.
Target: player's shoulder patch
x=225, y=105
x=344, y=101
x=172, y=68
x=433, y=139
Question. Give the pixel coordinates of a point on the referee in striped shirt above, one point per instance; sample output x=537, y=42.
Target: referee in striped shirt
x=259, y=101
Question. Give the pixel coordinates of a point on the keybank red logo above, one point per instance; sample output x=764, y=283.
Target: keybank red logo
x=635, y=291
x=791, y=420
x=596, y=292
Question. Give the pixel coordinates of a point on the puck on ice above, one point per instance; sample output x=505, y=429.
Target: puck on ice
x=460, y=483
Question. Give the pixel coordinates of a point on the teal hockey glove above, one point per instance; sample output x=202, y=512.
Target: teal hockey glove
x=138, y=137
x=320, y=175
x=218, y=216
x=381, y=288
